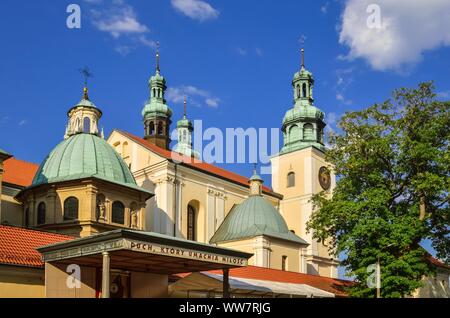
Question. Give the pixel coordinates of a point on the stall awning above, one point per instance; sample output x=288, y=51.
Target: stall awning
x=144, y=251
x=205, y=282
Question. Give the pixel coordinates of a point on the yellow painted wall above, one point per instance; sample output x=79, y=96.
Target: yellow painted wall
x=56, y=279
x=278, y=249
x=12, y=211
x=86, y=193
x=281, y=248
x=21, y=282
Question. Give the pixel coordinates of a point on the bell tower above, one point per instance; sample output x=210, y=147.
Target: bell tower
x=299, y=171
x=184, y=130
x=156, y=113
x=303, y=125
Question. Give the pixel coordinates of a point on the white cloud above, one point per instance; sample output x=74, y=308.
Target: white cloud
x=195, y=9
x=340, y=97
x=194, y=94
x=120, y=20
x=212, y=102
x=324, y=8
x=405, y=30
x=148, y=42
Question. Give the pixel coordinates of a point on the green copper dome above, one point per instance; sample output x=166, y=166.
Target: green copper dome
x=302, y=74
x=303, y=112
x=184, y=123
x=83, y=156
x=254, y=217
x=155, y=108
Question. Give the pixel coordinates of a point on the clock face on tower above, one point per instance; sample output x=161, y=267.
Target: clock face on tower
x=324, y=178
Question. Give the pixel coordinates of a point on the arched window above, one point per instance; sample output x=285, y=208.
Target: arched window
x=86, y=125
x=160, y=128
x=308, y=132
x=304, y=90
x=191, y=224
x=298, y=91
x=184, y=135
x=71, y=209
x=118, y=213
x=41, y=213
x=294, y=133
x=154, y=92
x=291, y=179
x=152, y=128
x=284, y=263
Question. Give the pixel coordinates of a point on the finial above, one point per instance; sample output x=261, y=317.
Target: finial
x=157, y=57
x=255, y=167
x=85, y=93
x=86, y=74
x=303, y=57
x=185, y=103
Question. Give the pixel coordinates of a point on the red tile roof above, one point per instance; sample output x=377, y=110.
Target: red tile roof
x=332, y=285
x=436, y=262
x=196, y=164
x=18, y=245
x=19, y=172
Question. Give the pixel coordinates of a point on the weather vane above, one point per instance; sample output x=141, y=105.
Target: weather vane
x=86, y=74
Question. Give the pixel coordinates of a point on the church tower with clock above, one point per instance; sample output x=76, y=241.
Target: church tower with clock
x=299, y=171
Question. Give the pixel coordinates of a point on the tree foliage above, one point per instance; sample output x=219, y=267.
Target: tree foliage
x=392, y=161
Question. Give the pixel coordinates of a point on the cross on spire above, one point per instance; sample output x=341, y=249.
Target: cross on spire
x=86, y=73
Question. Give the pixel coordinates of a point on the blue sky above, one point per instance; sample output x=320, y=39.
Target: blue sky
x=234, y=59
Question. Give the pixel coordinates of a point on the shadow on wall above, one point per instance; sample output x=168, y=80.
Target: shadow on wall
x=157, y=219
x=311, y=269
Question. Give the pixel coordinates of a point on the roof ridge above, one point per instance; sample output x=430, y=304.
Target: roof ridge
x=23, y=161
x=195, y=163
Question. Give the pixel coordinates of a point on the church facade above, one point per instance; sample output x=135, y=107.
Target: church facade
x=121, y=205
x=193, y=198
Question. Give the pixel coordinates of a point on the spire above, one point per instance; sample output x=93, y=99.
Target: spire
x=303, y=124
x=157, y=58
x=303, y=57
x=156, y=113
x=184, y=130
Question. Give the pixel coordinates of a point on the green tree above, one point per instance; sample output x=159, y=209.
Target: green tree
x=392, y=161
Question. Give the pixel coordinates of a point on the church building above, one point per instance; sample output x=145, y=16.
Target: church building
x=132, y=210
